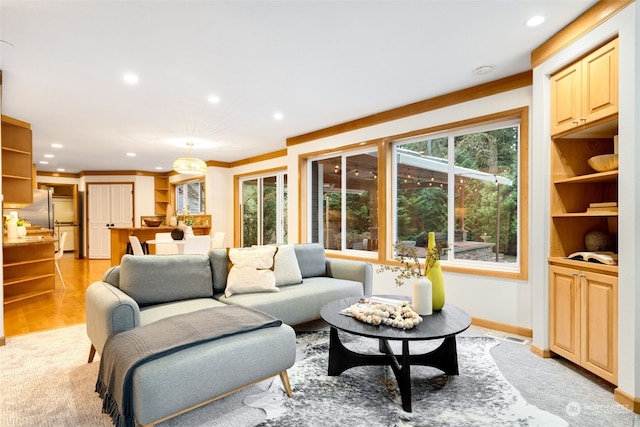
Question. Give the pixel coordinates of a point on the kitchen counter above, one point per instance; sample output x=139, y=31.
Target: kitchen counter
x=26, y=241
x=120, y=237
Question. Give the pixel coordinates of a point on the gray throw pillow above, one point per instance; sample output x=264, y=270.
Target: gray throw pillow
x=311, y=259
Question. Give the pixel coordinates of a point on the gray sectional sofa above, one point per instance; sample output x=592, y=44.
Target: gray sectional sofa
x=145, y=289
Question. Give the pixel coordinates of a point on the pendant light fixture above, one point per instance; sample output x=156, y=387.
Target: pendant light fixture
x=190, y=165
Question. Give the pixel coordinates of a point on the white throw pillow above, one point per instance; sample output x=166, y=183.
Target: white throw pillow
x=251, y=270
x=286, y=266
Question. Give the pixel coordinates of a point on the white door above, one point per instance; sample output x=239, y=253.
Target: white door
x=109, y=205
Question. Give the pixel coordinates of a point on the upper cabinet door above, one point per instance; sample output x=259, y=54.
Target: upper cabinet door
x=566, y=102
x=585, y=91
x=600, y=82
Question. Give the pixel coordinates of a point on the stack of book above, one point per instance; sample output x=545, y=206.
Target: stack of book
x=603, y=207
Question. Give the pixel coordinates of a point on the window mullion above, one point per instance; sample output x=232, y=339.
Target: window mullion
x=451, y=195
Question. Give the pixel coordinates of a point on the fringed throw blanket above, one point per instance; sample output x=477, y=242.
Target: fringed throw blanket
x=125, y=350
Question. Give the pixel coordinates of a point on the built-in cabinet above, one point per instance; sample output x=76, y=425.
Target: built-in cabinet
x=161, y=194
x=586, y=91
x=17, y=164
x=583, y=301
x=28, y=268
x=583, y=318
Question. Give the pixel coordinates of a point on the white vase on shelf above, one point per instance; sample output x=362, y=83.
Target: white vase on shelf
x=188, y=231
x=422, y=301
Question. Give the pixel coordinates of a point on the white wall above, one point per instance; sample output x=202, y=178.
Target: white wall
x=622, y=24
x=500, y=300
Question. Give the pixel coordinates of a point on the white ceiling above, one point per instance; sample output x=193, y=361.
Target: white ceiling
x=320, y=63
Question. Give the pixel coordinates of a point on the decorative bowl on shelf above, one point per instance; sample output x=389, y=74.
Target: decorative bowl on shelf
x=152, y=222
x=604, y=162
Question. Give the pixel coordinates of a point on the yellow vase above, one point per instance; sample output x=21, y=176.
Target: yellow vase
x=435, y=275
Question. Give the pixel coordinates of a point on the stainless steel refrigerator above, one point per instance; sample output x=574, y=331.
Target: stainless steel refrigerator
x=40, y=212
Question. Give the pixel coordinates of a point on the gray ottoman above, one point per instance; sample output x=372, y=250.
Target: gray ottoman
x=195, y=376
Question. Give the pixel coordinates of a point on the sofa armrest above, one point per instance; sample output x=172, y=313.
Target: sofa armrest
x=108, y=310
x=359, y=271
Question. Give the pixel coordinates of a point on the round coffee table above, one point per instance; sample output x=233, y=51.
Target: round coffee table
x=444, y=324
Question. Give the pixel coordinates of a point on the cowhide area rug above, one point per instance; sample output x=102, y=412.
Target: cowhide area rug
x=478, y=396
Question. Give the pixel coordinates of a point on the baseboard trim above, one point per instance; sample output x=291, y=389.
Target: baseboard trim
x=503, y=327
x=630, y=402
x=541, y=352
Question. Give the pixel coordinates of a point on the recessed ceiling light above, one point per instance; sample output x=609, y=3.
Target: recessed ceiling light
x=159, y=168
x=43, y=162
x=485, y=69
x=131, y=154
x=56, y=145
x=214, y=99
x=49, y=156
x=534, y=21
x=131, y=78
x=278, y=115
x=60, y=170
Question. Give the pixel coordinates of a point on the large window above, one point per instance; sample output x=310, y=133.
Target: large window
x=190, y=194
x=462, y=185
x=344, y=201
x=264, y=209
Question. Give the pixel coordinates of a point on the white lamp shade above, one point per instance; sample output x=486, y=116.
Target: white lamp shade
x=190, y=166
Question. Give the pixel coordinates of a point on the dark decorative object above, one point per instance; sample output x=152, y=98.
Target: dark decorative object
x=598, y=241
x=177, y=234
x=152, y=222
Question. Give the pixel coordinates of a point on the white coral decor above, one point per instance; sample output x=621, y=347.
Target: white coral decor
x=400, y=316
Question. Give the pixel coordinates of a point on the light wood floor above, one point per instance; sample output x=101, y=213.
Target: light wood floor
x=63, y=307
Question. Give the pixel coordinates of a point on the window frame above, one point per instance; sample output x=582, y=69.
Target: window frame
x=385, y=242
x=343, y=155
x=185, y=183
x=451, y=135
x=282, y=191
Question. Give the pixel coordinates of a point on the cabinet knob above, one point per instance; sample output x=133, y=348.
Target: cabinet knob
x=583, y=119
x=575, y=122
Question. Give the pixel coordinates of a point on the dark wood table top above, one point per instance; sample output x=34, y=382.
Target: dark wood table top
x=449, y=321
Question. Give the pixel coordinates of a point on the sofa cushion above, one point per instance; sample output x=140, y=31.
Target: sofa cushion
x=311, y=259
x=251, y=270
x=158, y=279
x=286, y=266
x=219, y=260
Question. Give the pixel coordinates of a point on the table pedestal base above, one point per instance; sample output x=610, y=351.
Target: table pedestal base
x=445, y=358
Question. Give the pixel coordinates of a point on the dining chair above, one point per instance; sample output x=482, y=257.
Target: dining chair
x=218, y=240
x=136, y=246
x=165, y=248
x=197, y=244
x=58, y=255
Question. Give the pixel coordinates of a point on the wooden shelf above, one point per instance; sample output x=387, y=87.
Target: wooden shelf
x=611, y=176
x=28, y=270
x=161, y=194
x=584, y=214
x=582, y=265
x=17, y=164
